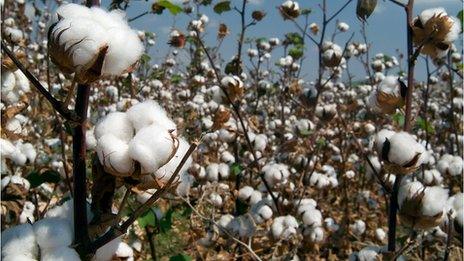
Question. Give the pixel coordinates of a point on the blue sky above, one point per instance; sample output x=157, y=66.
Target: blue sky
x=385, y=27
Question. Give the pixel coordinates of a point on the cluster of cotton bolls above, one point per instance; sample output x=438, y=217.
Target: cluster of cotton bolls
x=312, y=220
x=14, y=86
x=450, y=165
x=332, y=54
x=18, y=152
x=51, y=239
x=144, y=135
x=83, y=39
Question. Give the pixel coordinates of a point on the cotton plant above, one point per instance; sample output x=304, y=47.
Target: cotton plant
x=92, y=42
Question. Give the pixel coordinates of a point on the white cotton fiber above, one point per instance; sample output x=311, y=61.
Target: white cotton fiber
x=434, y=201
x=380, y=138
x=165, y=172
x=244, y=193
x=114, y=155
x=408, y=189
x=98, y=28
x=19, y=240
x=53, y=233
x=403, y=148
x=29, y=151
x=62, y=253
x=429, y=13
x=116, y=123
x=124, y=251
x=312, y=217
x=18, y=257
x=124, y=50
x=107, y=251
x=147, y=113
x=358, y=228
x=152, y=147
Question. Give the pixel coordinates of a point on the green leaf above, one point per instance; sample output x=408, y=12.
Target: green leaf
x=165, y=223
x=305, y=11
x=294, y=38
x=176, y=78
x=49, y=176
x=180, y=257
x=147, y=219
x=222, y=7
x=296, y=52
x=425, y=125
x=173, y=8
x=235, y=169
x=399, y=118
x=145, y=58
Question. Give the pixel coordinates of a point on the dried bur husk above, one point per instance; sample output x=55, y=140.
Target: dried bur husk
x=365, y=8
x=432, y=35
x=221, y=116
x=411, y=213
x=9, y=65
x=223, y=31
x=12, y=203
x=178, y=40
x=407, y=168
x=289, y=12
x=62, y=56
x=258, y=15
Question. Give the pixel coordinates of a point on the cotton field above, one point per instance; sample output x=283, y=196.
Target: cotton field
x=231, y=130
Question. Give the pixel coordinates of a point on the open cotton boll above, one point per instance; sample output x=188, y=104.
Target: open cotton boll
x=186, y=182
x=62, y=253
x=215, y=199
x=29, y=151
x=408, y=189
x=8, y=81
x=148, y=113
x=429, y=13
x=19, y=240
x=262, y=213
x=224, y=222
x=117, y=124
x=260, y=142
x=358, y=228
x=275, y=174
x=312, y=217
x=152, y=147
x=434, y=201
x=403, y=148
x=315, y=234
x=53, y=233
x=28, y=213
x=212, y=172
x=73, y=10
x=380, y=138
x=114, y=155
x=244, y=193
x=125, y=48
x=164, y=173
x=390, y=85
x=22, y=83
x=125, y=252
x=380, y=234
x=13, y=125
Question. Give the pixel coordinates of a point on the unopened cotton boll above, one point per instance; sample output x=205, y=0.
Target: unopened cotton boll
x=148, y=113
x=19, y=240
x=152, y=147
x=52, y=233
x=62, y=253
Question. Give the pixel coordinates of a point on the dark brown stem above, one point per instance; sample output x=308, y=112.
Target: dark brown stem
x=411, y=65
x=150, y=234
x=392, y=215
x=81, y=234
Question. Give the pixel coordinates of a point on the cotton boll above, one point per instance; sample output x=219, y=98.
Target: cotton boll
x=255, y=197
x=164, y=173
x=29, y=151
x=19, y=240
x=262, y=213
x=260, y=142
x=73, y=10
x=22, y=83
x=53, y=233
x=380, y=234
x=403, y=148
x=408, y=189
x=358, y=228
x=90, y=139
x=28, y=213
x=434, y=201
x=223, y=170
x=13, y=125
x=124, y=251
x=16, y=179
x=331, y=225
x=316, y=234
x=275, y=174
x=148, y=113
x=152, y=147
x=312, y=217
x=227, y=157
x=244, y=193
x=114, y=155
x=125, y=49
x=212, y=172
x=62, y=253
x=225, y=221
x=380, y=138
x=216, y=199
x=117, y=124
